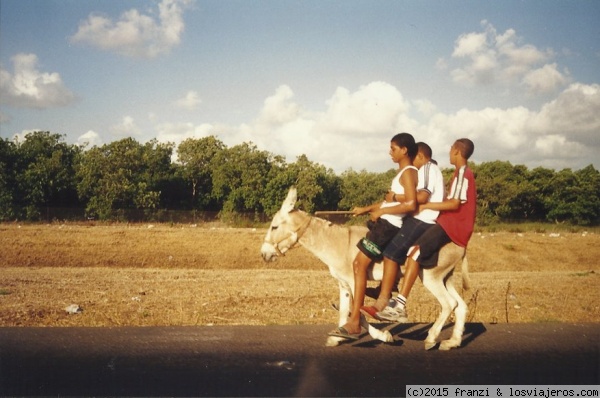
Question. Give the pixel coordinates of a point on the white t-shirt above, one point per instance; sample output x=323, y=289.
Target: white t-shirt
x=432, y=181
x=396, y=219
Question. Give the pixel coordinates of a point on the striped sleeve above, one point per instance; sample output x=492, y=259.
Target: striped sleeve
x=424, y=178
x=461, y=185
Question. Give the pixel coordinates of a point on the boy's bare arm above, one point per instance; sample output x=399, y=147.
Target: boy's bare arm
x=357, y=211
x=450, y=204
x=422, y=197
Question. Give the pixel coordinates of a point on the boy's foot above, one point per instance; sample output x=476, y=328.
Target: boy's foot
x=370, y=311
x=393, y=312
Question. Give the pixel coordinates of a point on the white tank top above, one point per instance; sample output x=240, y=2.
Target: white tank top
x=396, y=219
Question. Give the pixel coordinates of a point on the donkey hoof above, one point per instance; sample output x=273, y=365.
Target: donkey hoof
x=447, y=345
x=387, y=337
x=429, y=345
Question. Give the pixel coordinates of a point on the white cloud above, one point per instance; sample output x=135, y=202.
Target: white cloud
x=135, y=34
x=354, y=128
x=487, y=58
x=126, y=128
x=189, y=102
x=178, y=132
x=27, y=87
x=469, y=44
x=554, y=145
x=575, y=112
x=425, y=107
x=89, y=139
x=544, y=79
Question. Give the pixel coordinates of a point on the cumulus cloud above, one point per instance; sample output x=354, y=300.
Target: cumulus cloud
x=354, y=128
x=189, y=102
x=489, y=57
x=135, y=34
x=178, y=132
x=28, y=87
x=574, y=113
x=89, y=139
x=544, y=79
x=127, y=127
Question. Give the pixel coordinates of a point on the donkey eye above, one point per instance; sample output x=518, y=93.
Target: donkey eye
x=274, y=227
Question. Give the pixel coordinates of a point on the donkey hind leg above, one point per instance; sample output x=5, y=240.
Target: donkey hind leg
x=434, y=282
x=344, y=311
x=460, y=315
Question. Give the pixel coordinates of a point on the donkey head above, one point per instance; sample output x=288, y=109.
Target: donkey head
x=284, y=230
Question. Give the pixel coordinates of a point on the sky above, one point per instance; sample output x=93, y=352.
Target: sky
x=333, y=80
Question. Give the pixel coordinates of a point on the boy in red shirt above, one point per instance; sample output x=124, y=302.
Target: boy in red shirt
x=454, y=224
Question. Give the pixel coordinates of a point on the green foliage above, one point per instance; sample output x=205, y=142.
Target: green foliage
x=37, y=172
x=239, y=177
x=364, y=188
x=122, y=175
x=243, y=183
x=8, y=160
x=195, y=156
x=574, y=197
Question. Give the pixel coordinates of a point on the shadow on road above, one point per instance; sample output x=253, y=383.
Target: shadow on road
x=412, y=331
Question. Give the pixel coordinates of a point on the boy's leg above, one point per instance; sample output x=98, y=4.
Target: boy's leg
x=426, y=248
x=395, y=309
x=388, y=281
x=410, y=275
x=360, y=265
x=390, y=271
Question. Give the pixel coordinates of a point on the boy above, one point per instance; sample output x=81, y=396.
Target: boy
x=385, y=220
x=430, y=188
x=454, y=224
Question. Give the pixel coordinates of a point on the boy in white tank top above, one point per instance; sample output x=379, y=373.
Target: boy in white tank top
x=385, y=219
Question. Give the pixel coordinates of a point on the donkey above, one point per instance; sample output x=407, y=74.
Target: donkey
x=335, y=245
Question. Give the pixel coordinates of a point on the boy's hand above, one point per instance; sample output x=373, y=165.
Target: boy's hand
x=375, y=214
x=357, y=211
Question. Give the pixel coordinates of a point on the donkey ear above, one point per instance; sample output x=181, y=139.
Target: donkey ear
x=290, y=200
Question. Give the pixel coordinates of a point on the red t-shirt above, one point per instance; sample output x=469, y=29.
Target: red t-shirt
x=459, y=223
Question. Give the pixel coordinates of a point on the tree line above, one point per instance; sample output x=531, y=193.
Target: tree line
x=42, y=171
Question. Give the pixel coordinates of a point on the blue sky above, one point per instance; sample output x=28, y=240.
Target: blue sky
x=334, y=80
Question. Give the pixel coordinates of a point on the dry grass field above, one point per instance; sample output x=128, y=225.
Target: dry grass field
x=143, y=275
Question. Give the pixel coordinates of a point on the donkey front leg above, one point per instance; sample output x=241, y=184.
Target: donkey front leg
x=344, y=311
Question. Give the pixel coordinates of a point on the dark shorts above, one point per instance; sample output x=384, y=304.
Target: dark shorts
x=397, y=248
x=379, y=235
x=429, y=245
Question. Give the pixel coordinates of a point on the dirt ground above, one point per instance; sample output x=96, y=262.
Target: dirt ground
x=162, y=275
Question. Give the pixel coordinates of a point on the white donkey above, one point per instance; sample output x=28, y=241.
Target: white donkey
x=336, y=246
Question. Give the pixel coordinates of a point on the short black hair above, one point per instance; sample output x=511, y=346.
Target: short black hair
x=425, y=149
x=465, y=146
x=407, y=141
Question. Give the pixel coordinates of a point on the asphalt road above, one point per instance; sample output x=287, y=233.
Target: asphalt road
x=286, y=360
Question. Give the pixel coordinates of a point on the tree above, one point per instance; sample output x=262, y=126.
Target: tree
x=501, y=188
x=574, y=196
x=318, y=187
x=239, y=177
x=45, y=173
x=123, y=175
x=195, y=156
x=8, y=161
x=364, y=188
